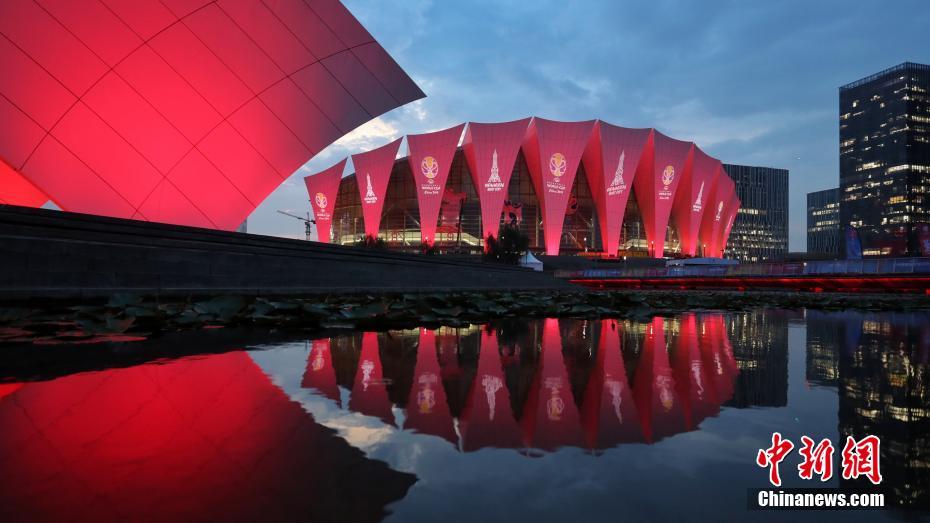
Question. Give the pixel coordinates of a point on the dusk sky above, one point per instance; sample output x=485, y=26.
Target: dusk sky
x=751, y=83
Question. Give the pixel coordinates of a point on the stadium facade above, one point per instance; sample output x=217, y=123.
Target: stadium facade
x=180, y=111
x=572, y=187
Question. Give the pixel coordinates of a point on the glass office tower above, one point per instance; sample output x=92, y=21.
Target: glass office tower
x=823, y=222
x=760, y=231
x=885, y=151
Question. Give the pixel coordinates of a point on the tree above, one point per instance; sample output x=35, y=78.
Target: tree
x=509, y=246
x=371, y=242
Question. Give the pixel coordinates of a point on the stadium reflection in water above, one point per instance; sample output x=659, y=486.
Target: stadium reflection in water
x=659, y=418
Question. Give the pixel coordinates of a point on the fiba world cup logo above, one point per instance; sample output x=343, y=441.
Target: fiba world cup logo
x=555, y=405
x=430, y=168
x=668, y=175
x=719, y=211
x=557, y=165
x=665, y=392
x=426, y=396
x=321, y=200
x=318, y=361
x=367, y=367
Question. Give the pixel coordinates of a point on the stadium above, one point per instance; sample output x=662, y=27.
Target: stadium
x=606, y=191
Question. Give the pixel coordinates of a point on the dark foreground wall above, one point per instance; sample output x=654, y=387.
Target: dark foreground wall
x=53, y=254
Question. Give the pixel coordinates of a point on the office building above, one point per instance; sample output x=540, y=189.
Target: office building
x=823, y=223
x=760, y=231
x=885, y=156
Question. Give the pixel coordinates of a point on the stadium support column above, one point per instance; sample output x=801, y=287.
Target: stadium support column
x=691, y=200
x=491, y=151
x=430, y=156
x=553, y=151
x=655, y=194
x=323, y=188
x=611, y=160
x=372, y=174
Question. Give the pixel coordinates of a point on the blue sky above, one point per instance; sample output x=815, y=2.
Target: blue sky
x=751, y=82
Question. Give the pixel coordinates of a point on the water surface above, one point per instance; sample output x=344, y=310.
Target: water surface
x=541, y=420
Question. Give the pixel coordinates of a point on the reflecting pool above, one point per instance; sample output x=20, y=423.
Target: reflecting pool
x=537, y=420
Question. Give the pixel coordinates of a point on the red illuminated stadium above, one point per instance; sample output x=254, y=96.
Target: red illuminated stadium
x=181, y=111
x=573, y=187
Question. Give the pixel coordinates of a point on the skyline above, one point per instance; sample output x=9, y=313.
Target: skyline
x=751, y=85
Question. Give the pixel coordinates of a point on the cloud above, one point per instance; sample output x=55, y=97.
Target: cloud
x=368, y=136
x=691, y=120
x=753, y=82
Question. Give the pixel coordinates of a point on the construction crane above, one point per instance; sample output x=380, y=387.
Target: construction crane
x=307, y=221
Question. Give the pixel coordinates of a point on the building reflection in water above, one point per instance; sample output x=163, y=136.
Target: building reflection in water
x=174, y=439
x=759, y=343
x=880, y=366
x=537, y=386
x=487, y=420
x=198, y=438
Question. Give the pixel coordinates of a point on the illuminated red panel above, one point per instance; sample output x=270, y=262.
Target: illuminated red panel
x=323, y=188
x=294, y=109
x=341, y=22
x=732, y=211
x=487, y=419
x=430, y=156
x=713, y=220
x=269, y=33
x=360, y=82
x=165, y=89
x=369, y=393
x=199, y=438
x=210, y=191
x=234, y=48
x=691, y=200
x=330, y=97
x=167, y=204
x=82, y=190
x=27, y=86
x=553, y=151
x=373, y=172
x=19, y=135
x=16, y=190
x=427, y=408
x=206, y=73
x=382, y=66
x=307, y=25
x=716, y=356
x=320, y=374
x=550, y=417
x=145, y=17
x=9, y=388
x=655, y=194
x=270, y=137
x=107, y=154
x=50, y=44
x=491, y=151
x=226, y=149
x=137, y=122
x=611, y=160
x=182, y=8
x=191, y=78
x=96, y=26
x=654, y=388
x=692, y=380
x=608, y=413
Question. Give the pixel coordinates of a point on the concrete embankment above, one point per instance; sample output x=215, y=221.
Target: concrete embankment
x=51, y=254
